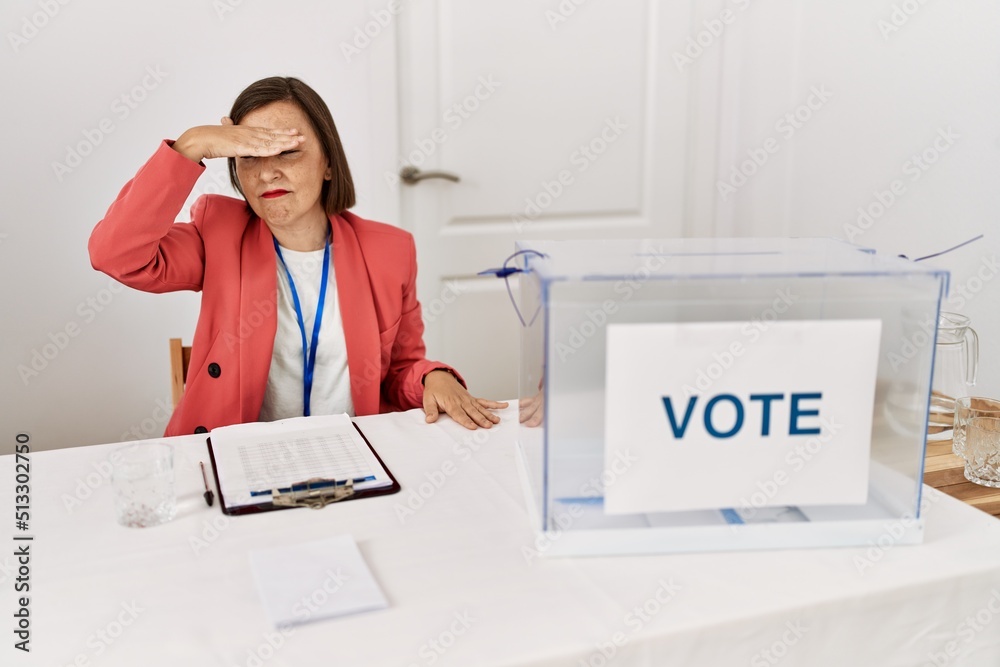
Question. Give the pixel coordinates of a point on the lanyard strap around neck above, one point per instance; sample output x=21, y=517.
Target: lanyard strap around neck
x=308, y=351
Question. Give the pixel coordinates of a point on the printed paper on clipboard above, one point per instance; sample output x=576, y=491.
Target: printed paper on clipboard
x=250, y=460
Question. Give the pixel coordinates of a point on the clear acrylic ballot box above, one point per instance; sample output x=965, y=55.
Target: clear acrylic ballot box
x=714, y=394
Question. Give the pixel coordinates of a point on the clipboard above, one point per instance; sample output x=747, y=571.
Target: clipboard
x=271, y=506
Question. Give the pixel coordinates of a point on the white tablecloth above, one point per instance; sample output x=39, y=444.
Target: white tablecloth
x=462, y=588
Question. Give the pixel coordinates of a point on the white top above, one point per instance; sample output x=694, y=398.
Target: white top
x=331, y=390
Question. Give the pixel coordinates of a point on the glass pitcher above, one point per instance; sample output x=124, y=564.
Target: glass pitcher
x=956, y=363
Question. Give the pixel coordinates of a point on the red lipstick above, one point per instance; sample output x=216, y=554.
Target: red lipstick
x=271, y=194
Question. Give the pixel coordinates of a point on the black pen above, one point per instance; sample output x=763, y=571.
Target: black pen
x=209, y=496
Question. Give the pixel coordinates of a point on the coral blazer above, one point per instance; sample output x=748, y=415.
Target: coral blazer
x=228, y=253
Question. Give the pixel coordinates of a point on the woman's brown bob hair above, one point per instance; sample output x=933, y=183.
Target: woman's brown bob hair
x=338, y=193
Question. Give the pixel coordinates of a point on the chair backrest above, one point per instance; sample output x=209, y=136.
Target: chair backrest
x=180, y=359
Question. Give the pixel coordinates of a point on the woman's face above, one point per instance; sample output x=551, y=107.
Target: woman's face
x=285, y=190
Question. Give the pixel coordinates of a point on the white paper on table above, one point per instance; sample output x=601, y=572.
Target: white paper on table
x=265, y=455
x=315, y=580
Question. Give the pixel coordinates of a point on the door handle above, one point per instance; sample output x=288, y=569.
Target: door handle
x=412, y=175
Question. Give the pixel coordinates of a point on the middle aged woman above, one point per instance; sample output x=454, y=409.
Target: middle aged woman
x=306, y=307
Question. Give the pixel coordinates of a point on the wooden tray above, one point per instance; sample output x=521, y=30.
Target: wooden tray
x=945, y=472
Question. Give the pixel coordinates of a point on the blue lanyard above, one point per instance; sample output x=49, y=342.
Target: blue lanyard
x=308, y=352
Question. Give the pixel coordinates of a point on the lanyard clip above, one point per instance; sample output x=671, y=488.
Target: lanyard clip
x=505, y=272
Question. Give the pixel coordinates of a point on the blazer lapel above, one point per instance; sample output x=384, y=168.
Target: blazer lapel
x=258, y=316
x=357, y=311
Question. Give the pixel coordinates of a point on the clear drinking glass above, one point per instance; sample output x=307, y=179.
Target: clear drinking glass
x=982, y=451
x=956, y=363
x=143, y=481
x=968, y=408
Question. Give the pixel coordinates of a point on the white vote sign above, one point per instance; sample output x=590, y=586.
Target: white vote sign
x=727, y=415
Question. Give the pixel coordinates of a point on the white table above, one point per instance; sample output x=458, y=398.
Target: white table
x=455, y=575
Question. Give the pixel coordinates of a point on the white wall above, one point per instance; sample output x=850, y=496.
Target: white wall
x=60, y=83
x=899, y=75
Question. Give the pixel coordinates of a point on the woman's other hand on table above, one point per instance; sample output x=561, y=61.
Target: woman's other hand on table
x=444, y=393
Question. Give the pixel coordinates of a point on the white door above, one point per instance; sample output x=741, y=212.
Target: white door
x=560, y=121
